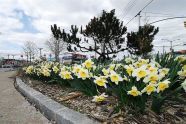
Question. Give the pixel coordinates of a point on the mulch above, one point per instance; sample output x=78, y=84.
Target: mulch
x=172, y=112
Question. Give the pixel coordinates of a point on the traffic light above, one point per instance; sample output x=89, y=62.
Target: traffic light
x=185, y=24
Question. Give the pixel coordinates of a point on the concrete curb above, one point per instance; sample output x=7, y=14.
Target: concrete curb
x=51, y=109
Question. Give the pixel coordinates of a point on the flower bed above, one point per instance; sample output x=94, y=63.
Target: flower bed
x=131, y=86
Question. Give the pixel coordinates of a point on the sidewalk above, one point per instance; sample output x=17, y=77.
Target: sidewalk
x=14, y=109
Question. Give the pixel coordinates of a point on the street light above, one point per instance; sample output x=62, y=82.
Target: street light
x=40, y=52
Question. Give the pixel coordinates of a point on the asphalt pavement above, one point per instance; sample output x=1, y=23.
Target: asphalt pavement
x=14, y=109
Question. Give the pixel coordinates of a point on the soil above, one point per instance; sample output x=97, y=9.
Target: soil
x=172, y=112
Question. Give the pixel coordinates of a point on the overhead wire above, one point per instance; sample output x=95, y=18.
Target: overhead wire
x=128, y=8
x=139, y=12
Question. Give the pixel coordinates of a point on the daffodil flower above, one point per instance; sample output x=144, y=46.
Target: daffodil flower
x=152, y=78
x=55, y=69
x=105, y=71
x=100, y=98
x=46, y=72
x=65, y=75
x=134, y=92
x=29, y=69
x=140, y=73
x=163, y=71
x=88, y=64
x=163, y=85
x=149, y=89
x=83, y=73
x=184, y=85
x=129, y=69
x=114, y=77
x=101, y=81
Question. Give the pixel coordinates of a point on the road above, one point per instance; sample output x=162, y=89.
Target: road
x=14, y=109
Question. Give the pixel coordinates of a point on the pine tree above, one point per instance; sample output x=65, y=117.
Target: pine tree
x=140, y=42
x=103, y=35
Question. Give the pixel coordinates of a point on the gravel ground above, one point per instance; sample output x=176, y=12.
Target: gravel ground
x=14, y=109
x=174, y=113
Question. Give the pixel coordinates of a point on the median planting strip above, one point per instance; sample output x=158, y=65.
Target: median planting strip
x=51, y=109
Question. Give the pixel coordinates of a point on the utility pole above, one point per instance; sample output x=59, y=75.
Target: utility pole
x=30, y=54
x=40, y=52
x=163, y=49
x=139, y=19
x=171, y=45
x=8, y=56
x=27, y=57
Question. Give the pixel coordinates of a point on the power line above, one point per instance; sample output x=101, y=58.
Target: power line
x=167, y=19
x=157, y=13
x=129, y=7
x=139, y=12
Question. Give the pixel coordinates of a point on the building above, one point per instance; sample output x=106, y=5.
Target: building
x=72, y=57
x=181, y=52
x=12, y=63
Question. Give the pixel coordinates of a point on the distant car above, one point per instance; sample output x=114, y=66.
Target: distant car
x=7, y=66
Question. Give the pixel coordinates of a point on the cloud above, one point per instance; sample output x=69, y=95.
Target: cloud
x=23, y=20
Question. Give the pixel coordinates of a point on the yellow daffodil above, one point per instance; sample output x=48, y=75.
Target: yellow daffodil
x=83, y=73
x=76, y=69
x=152, y=78
x=182, y=73
x=134, y=92
x=29, y=69
x=105, y=71
x=114, y=77
x=140, y=73
x=153, y=69
x=149, y=89
x=55, y=69
x=100, y=98
x=143, y=61
x=112, y=66
x=163, y=85
x=88, y=64
x=46, y=72
x=184, y=85
x=129, y=69
x=138, y=64
x=65, y=75
x=184, y=67
x=101, y=81
x=181, y=58
x=164, y=71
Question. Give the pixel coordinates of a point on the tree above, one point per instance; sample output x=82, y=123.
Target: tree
x=56, y=46
x=140, y=42
x=30, y=49
x=103, y=35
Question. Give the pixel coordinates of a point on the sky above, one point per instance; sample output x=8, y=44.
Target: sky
x=30, y=20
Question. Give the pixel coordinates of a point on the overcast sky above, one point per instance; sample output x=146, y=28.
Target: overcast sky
x=30, y=20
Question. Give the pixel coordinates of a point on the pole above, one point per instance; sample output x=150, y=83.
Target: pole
x=139, y=17
x=40, y=52
x=8, y=56
x=30, y=54
x=163, y=49
x=171, y=46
